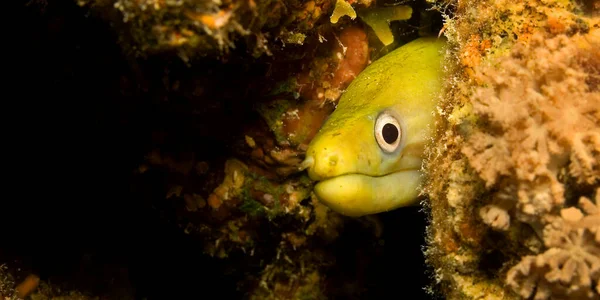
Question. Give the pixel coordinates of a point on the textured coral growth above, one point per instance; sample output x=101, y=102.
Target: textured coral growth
x=541, y=111
x=585, y=159
x=571, y=265
x=521, y=115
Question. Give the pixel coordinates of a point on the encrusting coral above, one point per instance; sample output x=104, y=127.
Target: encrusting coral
x=543, y=113
x=192, y=28
x=517, y=147
x=540, y=117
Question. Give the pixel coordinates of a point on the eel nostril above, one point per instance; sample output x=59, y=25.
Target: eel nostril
x=308, y=162
x=333, y=160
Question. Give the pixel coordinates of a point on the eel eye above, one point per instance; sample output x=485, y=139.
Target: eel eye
x=387, y=132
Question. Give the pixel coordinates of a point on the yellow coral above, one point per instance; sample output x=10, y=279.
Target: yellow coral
x=342, y=8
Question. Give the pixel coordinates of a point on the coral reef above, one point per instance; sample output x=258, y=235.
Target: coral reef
x=195, y=29
x=253, y=205
x=513, y=172
x=298, y=106
x=7, y=284
x=32, y=288
x=571, y=265
x=518, y=135
x=211, y=28
x=296, y=272
x=228, y=207
x=256, y=203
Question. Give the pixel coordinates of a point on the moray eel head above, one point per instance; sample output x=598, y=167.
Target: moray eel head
x=367, y=156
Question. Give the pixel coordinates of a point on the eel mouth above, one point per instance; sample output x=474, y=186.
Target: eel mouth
x=358, y=194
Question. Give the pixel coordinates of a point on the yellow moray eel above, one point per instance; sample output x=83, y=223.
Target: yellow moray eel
x=367, y=156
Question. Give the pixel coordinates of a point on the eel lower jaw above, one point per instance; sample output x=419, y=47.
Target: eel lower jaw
x=357, y=195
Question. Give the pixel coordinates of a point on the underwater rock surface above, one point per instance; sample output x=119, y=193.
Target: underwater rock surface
x=514, y=177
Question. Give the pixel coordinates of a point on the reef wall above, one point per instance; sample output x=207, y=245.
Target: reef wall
x=515, y=170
